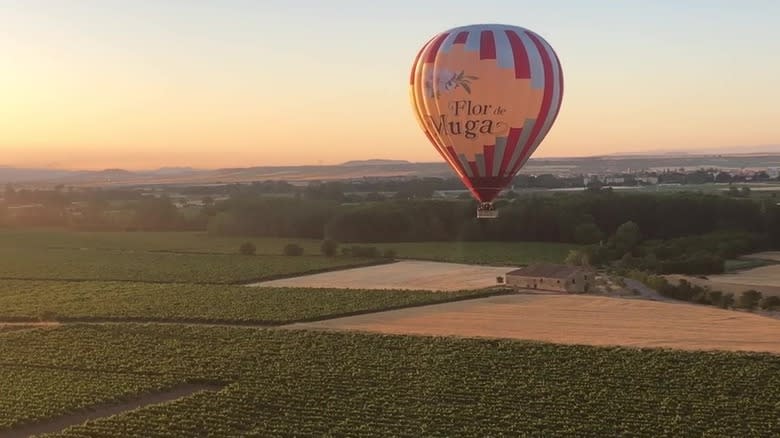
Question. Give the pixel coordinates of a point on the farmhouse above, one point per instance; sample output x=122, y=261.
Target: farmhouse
x=559, y=278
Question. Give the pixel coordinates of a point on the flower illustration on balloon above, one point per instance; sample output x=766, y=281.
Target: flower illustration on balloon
x=447, y=81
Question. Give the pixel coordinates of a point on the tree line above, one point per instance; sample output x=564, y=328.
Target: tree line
x=689, y=233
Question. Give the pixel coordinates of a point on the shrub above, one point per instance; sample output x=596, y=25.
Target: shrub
x=293, y=249
x=364, y=251
x=388, y=253
x=771, y=302
x=247, y=248
x=329, y=247
x=500, y=279
x=749, y=299
x=727, y=300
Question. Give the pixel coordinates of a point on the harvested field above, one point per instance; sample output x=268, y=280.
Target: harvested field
x=410, y=275
x=765, y=279
x=766, y=255
x=571, y=319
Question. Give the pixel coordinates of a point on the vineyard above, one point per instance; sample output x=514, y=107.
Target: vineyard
x=299, y=383
x=26, y=300
x=178, y=241
x=91, y=264
x=37, y=393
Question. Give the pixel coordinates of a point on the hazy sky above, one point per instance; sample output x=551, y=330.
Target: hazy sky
x=140, y=84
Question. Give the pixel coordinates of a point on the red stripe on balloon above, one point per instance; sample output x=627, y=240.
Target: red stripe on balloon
x=511, y=144
x=522, y=64
x=455, y=160
x=414, y=65
x=487, y=45
x=546, y=99
x=489, y=150
x=474, y=168
x=434, y=47
x=461, y=38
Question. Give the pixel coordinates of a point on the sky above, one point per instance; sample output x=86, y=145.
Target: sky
x=135, y=84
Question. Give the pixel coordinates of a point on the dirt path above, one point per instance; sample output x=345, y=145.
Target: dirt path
x=409, y=275
x=647, y=292
x=8, y=327
x=30, y=324
x=60, y=423
x=575, y=319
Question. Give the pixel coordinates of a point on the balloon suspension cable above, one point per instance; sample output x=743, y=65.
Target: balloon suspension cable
x=486, y=210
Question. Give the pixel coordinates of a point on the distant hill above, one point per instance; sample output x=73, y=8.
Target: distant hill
x=726, y=150
x=13, y=174
x=376, y=169
x=374, y=162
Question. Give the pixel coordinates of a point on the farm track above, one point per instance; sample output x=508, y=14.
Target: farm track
x=60, y=423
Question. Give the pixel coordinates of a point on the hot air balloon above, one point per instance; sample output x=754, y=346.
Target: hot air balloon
x=486, y=95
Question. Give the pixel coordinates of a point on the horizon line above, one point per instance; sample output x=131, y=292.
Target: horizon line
x=726, y=151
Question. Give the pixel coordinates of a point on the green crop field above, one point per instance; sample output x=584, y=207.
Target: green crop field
x=30, y=300
x=301, y=383
x=180, y=241
x=93, y=264
x=30, y=394
x=198, y=242
x=736, y=265
x=490, y=253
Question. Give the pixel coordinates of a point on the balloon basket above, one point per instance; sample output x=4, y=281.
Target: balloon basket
x=487, y=211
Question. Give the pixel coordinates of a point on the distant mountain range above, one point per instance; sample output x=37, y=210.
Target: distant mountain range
x=758, y=159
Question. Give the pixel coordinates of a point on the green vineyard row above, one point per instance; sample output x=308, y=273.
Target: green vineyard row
x=20, y=300
x=91, y=264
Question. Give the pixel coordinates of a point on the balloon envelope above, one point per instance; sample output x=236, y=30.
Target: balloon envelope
x=486, y=95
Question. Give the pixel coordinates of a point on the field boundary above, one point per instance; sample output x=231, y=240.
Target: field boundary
x=244, y=282
x=58, y=424
x=25, y=320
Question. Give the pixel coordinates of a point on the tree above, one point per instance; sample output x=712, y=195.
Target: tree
x=626, y=237
x=577, y=258
x=771, y=302
x=727, y=300
x=715, y=297
x=749, y=299
x=247, y=248
x=329, y=247
x=588, y=233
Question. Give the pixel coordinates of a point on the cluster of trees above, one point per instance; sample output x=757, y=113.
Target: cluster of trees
x=119, y=209
x=691, y=255
x=329, y=248
x=665, y=233
x=687, y=291
x=581, y=218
